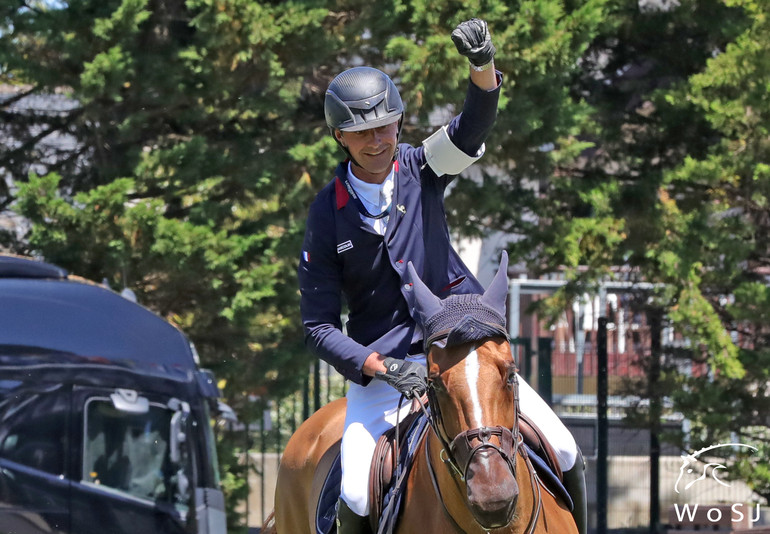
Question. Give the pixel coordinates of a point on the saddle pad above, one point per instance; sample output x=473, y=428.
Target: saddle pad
x=550, y=480
x=326, y=511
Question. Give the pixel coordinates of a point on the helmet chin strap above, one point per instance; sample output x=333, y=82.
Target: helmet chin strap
x=398, y=136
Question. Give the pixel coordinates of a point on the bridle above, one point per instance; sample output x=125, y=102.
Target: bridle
x=458, y=452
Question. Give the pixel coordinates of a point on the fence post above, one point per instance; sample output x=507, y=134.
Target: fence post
x=317, y=385
x=306, y=397
x=601, y=427
x=544, y=374
x=263, y=450
x=522, y=349
x=654, y=319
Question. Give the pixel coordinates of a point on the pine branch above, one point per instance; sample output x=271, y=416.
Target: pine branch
x=18, y=96
x=57, y=125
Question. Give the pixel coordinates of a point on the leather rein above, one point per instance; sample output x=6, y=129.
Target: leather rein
x=458, y=452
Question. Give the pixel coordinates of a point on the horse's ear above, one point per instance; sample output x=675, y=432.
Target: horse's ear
x=426, y=304
x=497, y=292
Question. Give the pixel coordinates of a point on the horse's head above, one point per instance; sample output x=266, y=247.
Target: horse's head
x=473, y=392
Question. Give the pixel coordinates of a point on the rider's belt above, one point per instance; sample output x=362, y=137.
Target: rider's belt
x=415, y=348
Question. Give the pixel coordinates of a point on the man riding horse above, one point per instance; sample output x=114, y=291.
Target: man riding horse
x=385, y=208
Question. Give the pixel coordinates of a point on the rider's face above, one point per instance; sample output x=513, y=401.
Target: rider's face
x=372, y=151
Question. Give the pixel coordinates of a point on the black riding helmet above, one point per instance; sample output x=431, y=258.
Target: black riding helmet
x=362, y=98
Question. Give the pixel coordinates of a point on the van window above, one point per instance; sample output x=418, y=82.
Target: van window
x=33, y=427
x=129, y=452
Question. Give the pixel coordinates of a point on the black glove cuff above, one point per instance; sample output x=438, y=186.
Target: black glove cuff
x=410, y=381
x=393, y=366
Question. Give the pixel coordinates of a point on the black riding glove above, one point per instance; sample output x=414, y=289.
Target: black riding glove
x=472, y=40
x=409, y=378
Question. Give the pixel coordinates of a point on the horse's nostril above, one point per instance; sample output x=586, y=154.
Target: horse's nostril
x=494, y=515
x=492, y=489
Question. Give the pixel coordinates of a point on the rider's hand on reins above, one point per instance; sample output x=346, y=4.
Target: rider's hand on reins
x=409, y=378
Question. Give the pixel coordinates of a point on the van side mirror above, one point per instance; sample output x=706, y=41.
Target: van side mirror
x=178, y=430
x=207, y=384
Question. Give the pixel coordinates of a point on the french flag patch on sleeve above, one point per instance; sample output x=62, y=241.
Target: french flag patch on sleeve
x=306, y=256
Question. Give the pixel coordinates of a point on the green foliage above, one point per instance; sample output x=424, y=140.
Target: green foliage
x=539, y=45
x=200, y=141
x=728, y=189
x=230, y=450
x=675, y=191
x=190, y=135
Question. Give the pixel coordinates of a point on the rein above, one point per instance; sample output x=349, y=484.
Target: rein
x=458, y=452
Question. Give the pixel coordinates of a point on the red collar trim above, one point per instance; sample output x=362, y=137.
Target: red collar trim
x=342, y=193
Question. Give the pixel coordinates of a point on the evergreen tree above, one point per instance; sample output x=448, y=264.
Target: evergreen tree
x=197, y=138
x=674, y=191
x=721, y=196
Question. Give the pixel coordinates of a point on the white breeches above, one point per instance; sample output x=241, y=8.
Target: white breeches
x=371, y=410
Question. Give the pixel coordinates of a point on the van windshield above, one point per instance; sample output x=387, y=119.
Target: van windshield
x=129, y=452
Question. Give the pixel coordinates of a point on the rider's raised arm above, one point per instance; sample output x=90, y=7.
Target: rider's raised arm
x=455, y=147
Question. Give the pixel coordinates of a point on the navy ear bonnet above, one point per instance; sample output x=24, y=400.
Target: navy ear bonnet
x=461, y=318
x=465, y=318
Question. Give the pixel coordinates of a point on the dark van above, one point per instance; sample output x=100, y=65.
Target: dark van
x=105, y=415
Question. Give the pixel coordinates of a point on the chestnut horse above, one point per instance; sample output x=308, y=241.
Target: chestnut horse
x=470, y=472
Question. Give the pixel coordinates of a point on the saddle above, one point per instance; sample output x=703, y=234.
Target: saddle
x=384, y=496
x=535, y=439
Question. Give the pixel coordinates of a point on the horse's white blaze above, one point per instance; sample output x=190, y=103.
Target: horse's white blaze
x=472, y=376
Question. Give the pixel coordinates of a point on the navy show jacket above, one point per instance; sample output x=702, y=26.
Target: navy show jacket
x=343, y=256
